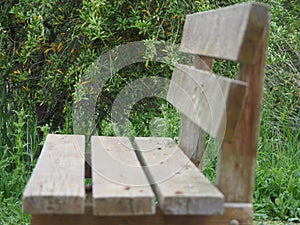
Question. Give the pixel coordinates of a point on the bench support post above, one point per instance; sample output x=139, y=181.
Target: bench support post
x=192, y=137
x=237, y=159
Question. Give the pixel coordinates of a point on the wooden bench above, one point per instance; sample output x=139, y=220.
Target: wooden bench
x=152, y=180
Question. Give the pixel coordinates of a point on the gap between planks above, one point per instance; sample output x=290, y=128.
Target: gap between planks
x=119, y=185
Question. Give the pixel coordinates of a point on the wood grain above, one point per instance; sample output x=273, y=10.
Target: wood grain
x=207, y=100
x=56, y=185
x=242, y=213
x=191, y=140
x=237, y=159
x=191, y=137
x=180, y=187
x=120, y=186
x=224, y=33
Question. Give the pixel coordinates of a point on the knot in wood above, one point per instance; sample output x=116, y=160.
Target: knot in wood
x=234, y=222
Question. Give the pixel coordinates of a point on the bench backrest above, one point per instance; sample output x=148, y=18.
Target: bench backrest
x=227, y=109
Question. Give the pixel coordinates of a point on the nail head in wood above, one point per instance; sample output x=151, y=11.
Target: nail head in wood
x=234, y=222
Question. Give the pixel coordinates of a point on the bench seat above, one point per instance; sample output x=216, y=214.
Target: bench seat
x=126, y=179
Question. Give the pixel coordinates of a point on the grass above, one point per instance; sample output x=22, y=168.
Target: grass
x=263, y=222
x=277, y=167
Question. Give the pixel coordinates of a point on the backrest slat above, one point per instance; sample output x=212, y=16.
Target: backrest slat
x=210, y=101
x=229, y=33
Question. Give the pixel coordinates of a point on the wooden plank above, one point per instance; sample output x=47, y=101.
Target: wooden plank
x=237, y=159
x=240, y=214
x=56, y=185
x=120, y=186
x=227, y=33
x=191, y=140
x=192, y=137
x=212, y=102
x=180, y=187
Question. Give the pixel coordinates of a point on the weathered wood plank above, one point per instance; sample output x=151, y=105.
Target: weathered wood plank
x=179, y=185
x=240, y=214
x=120, y=186
x=227, y=33
x=192, y=137
x=191, y=140
x=56, y=185
x=207, y=100
x=237, y=159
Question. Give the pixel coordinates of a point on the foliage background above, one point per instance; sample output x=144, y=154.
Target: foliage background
x=46, y=46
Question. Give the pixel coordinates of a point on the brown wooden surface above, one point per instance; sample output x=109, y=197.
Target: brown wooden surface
x=57, y=182
x=192, y=137
x=237, y=159
x=120, y=186
x=239, y=212
x=226, y=33
x=180, y=187
x=207, y=99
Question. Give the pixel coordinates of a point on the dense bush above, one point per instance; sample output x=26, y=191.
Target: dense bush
x=46, y=47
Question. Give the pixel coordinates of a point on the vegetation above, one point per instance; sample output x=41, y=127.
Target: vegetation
x=47, y=46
